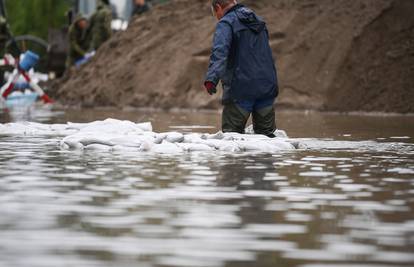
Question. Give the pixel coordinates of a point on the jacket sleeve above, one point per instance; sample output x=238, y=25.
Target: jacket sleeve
x=4, y=31
x=107, y=24
x=220, y=52
x=74, y=44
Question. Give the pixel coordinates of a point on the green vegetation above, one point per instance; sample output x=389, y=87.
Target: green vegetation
x=35, y=17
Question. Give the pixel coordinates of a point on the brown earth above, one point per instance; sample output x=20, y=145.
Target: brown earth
x=331, y=55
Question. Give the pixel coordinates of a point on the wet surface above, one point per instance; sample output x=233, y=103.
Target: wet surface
x=347, y=200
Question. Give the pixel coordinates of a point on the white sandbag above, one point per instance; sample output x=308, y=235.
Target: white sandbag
x=189, y=147
x=193, y=138
x=230, y=146
x=166, y=148
x=132, y=140
x=174, y=137
x=97, y=147
x=280, y=134
x=86, y=141
x=145, y=126
x=71, y=144
x=122, y=148
x=262, y=146
x=218, y=136
x=146, y=146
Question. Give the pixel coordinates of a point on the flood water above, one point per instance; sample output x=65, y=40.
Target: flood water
x=346, y=200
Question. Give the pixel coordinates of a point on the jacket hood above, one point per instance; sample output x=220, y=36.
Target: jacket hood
x=249, y=19
x=102, y=3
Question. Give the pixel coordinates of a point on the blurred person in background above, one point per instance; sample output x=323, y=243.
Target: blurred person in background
x=140, y=7
x=5, y=34
x=78, y=42
x=100, y=25
x=242, y=60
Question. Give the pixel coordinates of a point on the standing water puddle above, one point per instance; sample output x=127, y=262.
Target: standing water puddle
x=346, y=200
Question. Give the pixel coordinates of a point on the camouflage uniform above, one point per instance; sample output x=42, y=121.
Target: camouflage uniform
x=77, y=43
x=4, y=34
x=100, y=26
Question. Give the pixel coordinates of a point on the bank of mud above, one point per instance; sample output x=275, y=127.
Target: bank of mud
x=331, y=55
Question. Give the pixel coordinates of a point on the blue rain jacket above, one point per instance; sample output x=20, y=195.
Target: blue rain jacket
x=242, y=59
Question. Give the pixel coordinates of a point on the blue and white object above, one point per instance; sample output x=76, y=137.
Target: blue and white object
x=21, y=85
x=30, y=59
x=85, y=59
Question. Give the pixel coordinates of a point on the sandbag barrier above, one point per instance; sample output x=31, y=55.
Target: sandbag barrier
x=115, y=135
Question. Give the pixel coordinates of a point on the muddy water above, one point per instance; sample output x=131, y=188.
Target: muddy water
x=347, y=200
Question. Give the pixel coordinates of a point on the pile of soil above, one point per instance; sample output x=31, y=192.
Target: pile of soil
x=331, y=55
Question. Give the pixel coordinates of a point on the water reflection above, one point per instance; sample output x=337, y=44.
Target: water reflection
x=30, y=112
x=338, y=203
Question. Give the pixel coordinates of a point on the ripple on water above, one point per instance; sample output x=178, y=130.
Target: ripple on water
x=402, y=170
x=276, y=229
x=316, y=174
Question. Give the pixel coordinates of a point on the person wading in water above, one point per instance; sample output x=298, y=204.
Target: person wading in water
x=242, y=60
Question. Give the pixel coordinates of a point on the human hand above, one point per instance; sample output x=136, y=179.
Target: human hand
x=210, y=87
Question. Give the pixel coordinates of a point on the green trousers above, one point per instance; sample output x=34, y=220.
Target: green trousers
x=234, y=119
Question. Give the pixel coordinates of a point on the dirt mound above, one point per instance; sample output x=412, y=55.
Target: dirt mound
x=331, y=54
x=379, y=69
